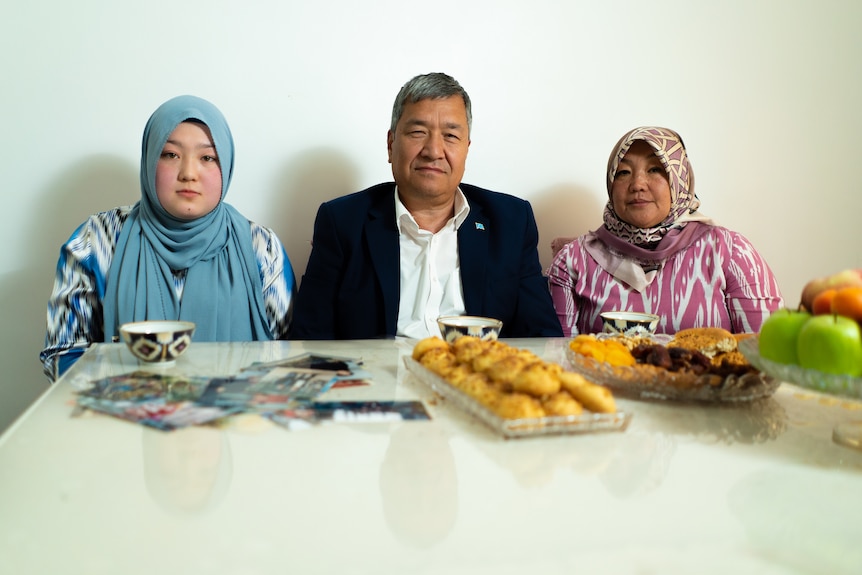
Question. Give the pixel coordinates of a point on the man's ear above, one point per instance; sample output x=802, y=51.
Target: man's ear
x=389, y=139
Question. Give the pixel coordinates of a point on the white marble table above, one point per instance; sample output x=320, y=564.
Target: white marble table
x=685, y=489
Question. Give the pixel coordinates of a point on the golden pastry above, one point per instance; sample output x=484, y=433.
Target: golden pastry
x=427, y=344
x=459, y=373
x=490, y=356
x=467, y=347
x=562, y=403
x=709, y=341
x=439, y=360
x=518, y=406
x=505, y=370
x=593, y=397
x=537, y=379
x=479, y=387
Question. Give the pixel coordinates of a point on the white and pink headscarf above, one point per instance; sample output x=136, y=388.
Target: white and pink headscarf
x=670, y=150
x=632, y=254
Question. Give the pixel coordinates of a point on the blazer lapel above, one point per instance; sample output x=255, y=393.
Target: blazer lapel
x=382, y=237
x=473, y=255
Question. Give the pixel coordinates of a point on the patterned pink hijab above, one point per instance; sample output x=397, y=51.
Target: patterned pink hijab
x=634, y=255
x=670, y=150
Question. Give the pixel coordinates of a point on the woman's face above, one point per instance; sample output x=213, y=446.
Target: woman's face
x=188, y=174
x=640, y=192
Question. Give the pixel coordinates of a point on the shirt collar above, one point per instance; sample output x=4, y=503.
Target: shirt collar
x=404, y=218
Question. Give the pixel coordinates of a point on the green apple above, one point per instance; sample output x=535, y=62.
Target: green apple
x=831, y=344
x=779, y=335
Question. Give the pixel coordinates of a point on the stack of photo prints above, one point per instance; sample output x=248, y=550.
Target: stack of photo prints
x=284, y=392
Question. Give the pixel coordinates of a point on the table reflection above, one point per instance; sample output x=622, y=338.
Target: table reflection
x=419, y=487
x=797, y=519
x=743, y=422
x=638, y=466
x=628, y=465
x=189, y=470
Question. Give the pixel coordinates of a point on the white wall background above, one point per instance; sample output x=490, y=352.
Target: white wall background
x=766, y=93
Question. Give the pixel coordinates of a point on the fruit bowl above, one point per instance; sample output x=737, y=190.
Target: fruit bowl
x=843, y=385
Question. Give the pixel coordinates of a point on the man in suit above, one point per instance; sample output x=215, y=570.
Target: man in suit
x=392, y=258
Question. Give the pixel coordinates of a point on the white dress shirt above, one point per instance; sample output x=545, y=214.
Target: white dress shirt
x=430, y=271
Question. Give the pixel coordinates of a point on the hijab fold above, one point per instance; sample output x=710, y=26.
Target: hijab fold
x=632, y=254
x=222, y=292
x=634, y=265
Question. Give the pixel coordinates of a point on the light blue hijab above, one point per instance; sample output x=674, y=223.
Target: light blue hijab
x=222, y=294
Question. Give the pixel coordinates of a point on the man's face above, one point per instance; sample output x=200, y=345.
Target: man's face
x=428, y=149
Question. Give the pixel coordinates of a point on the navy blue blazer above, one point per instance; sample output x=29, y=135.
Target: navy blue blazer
x=351, y=290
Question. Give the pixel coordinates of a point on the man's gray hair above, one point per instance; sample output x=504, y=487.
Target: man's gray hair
x=430, y=86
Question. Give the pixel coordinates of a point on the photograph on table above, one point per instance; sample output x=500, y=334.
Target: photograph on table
x=348, y=372
x=142, y=385
x=302, y=416
x=157, y=413
x=274, y=388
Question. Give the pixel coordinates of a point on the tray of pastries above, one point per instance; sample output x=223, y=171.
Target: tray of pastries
x=698, y=364
x=512, y=390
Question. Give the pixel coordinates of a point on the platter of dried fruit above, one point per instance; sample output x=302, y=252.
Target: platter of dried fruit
x=692, y=366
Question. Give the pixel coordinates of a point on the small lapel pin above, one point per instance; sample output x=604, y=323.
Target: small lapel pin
x=480, y=226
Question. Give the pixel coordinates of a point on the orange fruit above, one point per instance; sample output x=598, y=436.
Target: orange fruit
x=848, y=303
x=822, y=303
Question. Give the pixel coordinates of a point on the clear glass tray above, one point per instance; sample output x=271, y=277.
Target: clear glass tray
x=843, y=385
x=584, y=423
x=651, y=382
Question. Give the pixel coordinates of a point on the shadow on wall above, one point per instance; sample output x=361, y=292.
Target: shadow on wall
x=306, y=181
x=564, y=210
x=94, y=184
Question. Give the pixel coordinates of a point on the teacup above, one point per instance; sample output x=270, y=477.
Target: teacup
x=630, y=323
x=454, y=326
x=157, y=341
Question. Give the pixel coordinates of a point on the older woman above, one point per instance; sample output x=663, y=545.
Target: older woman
x=657, y=253
x=179, y=253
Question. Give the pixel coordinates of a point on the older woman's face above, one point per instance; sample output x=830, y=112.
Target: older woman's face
x=188, y=175
x=640, y=191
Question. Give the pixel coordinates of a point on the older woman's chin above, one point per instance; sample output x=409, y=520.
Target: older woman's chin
x=644, y=221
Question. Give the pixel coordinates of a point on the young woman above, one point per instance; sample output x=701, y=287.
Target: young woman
x=181, y=252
